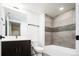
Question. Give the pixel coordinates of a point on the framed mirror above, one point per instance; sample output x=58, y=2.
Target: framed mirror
x=16, y=23
x=14, y=29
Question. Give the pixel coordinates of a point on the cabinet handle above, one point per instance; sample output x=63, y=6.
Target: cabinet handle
x=16, y=49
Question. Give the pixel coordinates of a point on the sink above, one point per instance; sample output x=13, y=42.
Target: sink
x=11, y=38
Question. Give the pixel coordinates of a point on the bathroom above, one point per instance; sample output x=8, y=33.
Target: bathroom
x=49, y=29
x=21, y=25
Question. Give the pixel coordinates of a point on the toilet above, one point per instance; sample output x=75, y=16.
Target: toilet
x=37, y=49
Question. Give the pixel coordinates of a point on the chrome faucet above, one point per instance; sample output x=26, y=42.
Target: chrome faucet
x=16, y=36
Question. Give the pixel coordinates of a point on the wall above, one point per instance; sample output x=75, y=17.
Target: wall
x=77, y=19
x=35, y=31
x=60, y=30
x=33, y=28
x=2, y=21
x=77, y=27
x=48, y=34
x=37, y=28
x=2, y=24
x=41, y=37
x=0, y=31
x=64, y=29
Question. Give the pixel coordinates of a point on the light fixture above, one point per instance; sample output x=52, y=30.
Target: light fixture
x=14, y=5
x=61, y=8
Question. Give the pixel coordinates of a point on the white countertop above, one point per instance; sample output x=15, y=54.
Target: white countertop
x=13, y=38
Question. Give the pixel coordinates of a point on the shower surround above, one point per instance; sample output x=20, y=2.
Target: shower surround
x=60, y=30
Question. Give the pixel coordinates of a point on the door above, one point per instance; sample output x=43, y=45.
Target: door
x=23, y=48
x=16, y=48
x=8, y=48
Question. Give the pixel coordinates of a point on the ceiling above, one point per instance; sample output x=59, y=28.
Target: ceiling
x=51, y=9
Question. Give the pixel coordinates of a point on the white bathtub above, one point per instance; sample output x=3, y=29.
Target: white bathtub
x=53, y=50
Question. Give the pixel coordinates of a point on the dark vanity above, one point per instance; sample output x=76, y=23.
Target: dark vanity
x=16, y=48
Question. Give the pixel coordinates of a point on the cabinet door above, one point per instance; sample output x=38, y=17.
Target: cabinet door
x=24, y=48
x=27, y=50
x=16, y=48
x=8, y=49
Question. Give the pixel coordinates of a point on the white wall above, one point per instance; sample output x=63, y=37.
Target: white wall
x=0, y=27
x=77, y=19
x=41, y=37
x=34, y=33
x=77, y=27
x=23, y=29
x=33, y=18
x=2, y=23
x=37, y=33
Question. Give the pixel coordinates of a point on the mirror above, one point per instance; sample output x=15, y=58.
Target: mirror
x=14, y=29
x=16, y=23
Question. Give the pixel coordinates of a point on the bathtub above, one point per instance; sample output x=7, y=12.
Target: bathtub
x=53, y=50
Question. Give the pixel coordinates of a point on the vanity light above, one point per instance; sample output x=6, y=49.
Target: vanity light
x=61, y=8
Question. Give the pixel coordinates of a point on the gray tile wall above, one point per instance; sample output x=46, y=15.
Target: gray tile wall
x=48, y=34
x=64, y=38
x=62, y=30
x=48, y=38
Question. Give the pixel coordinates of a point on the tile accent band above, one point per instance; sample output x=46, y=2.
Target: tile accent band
x=62, y=28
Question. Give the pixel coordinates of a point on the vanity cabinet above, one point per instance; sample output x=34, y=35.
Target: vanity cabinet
x=16, y=48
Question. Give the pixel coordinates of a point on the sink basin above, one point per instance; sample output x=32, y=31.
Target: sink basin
x=11, y=38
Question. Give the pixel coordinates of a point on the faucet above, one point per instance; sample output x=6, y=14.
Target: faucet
x=16, y=36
